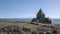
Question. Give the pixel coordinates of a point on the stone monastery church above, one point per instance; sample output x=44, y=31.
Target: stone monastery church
x=40, y=18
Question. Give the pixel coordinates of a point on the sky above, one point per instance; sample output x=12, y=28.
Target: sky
x=29, y=8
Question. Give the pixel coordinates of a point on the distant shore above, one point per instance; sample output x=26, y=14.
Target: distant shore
x=54, y=21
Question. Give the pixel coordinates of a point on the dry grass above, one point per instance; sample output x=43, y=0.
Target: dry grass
x=27, y=25
x=4, y=24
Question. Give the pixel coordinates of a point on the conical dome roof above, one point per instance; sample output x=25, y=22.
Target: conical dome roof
x=40, y=14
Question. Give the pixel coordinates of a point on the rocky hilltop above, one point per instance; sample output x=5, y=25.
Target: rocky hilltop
x=28, y=28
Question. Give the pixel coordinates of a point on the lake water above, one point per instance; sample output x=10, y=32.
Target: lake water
x=54, y=21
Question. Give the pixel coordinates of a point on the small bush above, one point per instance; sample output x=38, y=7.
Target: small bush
x=34, y=32
x=41, y=32
x=48, y=33
x=26, y=29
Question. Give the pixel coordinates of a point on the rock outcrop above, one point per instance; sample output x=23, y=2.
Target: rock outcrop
x=41, y=18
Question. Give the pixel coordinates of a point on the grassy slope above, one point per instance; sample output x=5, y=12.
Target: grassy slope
x=4, y=24
x=32, y=26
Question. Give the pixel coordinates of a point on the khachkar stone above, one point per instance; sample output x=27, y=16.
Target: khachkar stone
x=41, y=18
